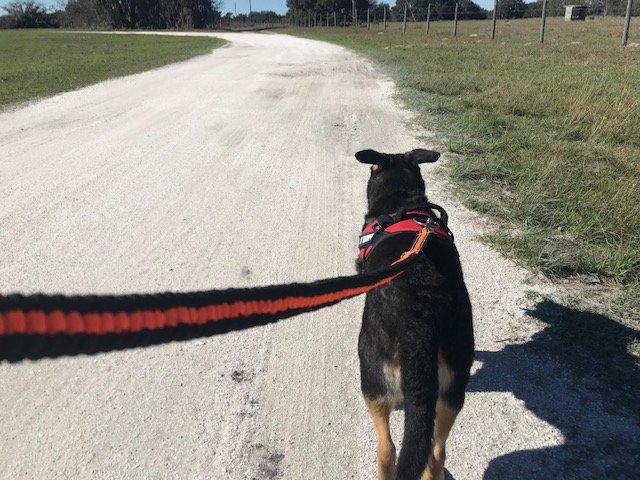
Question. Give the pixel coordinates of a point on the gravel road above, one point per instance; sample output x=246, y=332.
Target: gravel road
x=236, y=168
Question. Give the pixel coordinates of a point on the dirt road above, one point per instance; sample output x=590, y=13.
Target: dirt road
x=234, y=169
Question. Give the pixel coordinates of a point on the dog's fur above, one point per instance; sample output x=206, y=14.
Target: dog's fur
x=416, y=341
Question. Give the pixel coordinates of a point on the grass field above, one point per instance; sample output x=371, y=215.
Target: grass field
x=548, y=136
x=36, y=63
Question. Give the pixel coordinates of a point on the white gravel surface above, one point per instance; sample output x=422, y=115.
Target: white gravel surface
x=236, y=168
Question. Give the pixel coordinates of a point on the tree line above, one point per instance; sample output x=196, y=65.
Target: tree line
x=444, y=9
x=440, y=9
x=129, y=14
x=186, y=14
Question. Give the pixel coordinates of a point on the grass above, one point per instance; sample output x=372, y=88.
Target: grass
x=37, y=63
x=547, y=136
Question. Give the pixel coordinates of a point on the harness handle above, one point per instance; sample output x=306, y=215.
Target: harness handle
x=443, y=218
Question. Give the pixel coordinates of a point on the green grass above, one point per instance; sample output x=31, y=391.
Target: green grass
x=548, y=136
x=37, y=63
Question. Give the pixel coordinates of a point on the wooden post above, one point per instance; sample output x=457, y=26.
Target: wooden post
x=344, y=20
x=368, y=23
x=543, y=23
x=627, y=23
x=327, y=19
x=404, y=21
x=428, y=18
x=309, y=19
x=455, y=21
x=495, y=17
x=354, y=14
x=335, y=19
x=384, y=17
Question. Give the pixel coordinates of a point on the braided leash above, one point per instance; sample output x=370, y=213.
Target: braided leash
x=36, y=326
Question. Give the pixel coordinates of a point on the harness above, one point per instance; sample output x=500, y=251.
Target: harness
x=419, y=221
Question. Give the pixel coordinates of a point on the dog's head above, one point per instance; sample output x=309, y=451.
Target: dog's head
x=395, y=175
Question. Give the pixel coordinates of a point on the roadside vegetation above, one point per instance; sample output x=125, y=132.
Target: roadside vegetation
x=547, y=136
x=36, y=63
x=132, y=15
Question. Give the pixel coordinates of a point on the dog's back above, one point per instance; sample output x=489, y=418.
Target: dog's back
x=416, y=340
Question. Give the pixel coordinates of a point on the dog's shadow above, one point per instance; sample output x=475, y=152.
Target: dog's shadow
x=578, y=375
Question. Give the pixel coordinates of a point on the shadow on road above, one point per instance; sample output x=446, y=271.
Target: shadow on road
x=576, y=374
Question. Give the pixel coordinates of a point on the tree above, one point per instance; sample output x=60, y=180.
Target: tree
x=511, y=8
x=161, y=13
x=28, y=14
x=302, y=7
x=84, y=14
x=440, y=9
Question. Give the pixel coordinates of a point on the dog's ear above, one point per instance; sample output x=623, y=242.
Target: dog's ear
x=372, y=157
x=421, y=155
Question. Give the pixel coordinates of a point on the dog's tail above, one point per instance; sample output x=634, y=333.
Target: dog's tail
x=420, y=389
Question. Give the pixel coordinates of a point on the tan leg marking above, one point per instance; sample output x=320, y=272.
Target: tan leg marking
x=445, y=416
x=386, y=450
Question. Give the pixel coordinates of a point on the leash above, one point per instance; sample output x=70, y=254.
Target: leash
x=38, y=326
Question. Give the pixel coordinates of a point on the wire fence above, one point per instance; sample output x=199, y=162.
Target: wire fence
x=379, y=18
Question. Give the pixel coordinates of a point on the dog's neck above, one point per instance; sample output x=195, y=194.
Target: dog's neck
x=394, y=202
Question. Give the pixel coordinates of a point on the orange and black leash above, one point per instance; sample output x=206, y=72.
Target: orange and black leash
x=37, y=326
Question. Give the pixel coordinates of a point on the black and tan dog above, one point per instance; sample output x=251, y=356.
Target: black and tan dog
x=416, y=341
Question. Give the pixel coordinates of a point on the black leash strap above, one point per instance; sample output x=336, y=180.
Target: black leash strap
x=38, y=326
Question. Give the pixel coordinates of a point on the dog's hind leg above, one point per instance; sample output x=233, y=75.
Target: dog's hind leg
x=450, y=400
x=445, y=417
x=386, y=450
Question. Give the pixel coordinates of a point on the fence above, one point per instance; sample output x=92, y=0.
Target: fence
x=379, y=17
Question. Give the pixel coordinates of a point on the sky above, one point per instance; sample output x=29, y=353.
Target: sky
x=279, y=6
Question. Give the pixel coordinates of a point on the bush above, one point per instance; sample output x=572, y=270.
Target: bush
x=28, y=14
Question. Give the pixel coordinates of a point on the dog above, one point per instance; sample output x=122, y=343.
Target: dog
x=416, y=342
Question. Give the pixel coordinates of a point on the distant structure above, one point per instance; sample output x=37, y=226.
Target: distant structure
x=575, y=12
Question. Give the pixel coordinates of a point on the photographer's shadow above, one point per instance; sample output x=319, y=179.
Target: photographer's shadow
x=576, y=374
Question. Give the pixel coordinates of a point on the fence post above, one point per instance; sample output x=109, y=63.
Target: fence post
x=309, y=19
x=428, y=18
x=404, y=21
x=384, y=17
x=368, y=24
x=344, y=20
x=627, y=23
x=327, y=19
x=455, y=21
x=354, y=14
x=543, y=23
x=335, y=19
x=495, y=17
